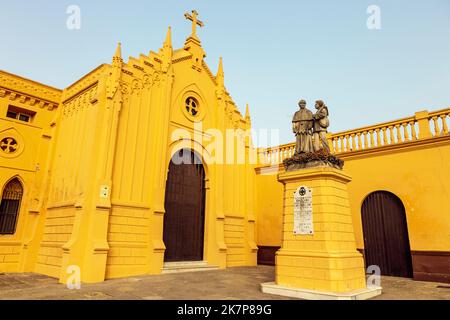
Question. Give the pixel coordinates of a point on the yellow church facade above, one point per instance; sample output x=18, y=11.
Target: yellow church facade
x=89, y=174
x=92, y=161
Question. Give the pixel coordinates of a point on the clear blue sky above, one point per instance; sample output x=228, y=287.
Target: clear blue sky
x=275, y=52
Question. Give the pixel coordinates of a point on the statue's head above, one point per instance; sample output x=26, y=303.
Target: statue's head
x=319, y=104
x=302, y=104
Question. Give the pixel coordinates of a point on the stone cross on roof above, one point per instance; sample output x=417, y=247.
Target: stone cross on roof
x=195, y=22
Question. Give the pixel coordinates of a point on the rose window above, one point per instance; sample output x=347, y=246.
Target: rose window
x=9, y=145
x=192, y=106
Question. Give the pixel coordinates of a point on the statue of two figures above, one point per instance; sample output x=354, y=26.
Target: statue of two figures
x=311, y=147
x=311, y=129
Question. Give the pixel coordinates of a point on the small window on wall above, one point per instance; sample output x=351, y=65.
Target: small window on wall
x=9, y=206
x=20, y=114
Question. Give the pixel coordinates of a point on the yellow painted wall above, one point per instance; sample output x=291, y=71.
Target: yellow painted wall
x=30, y=163
x=418, y=174
x=72, y=169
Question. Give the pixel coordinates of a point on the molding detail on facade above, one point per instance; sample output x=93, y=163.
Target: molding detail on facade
x=16, y=85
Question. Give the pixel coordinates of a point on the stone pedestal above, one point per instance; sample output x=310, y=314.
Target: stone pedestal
x=324, y=264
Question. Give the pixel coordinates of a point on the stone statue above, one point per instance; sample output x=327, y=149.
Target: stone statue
x=302, y=124
x=308, y=127
x=321, y=124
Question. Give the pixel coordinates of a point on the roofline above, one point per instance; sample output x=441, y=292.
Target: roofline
x=29, y=80
x=87, y=75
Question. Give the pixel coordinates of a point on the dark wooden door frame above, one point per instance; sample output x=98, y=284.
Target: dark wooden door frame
x=385, y=233
x=184, y=219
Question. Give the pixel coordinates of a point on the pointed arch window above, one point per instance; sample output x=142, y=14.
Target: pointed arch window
x=9, y=206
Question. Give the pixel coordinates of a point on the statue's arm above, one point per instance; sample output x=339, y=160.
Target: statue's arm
x=320, y=114
x=294, y=126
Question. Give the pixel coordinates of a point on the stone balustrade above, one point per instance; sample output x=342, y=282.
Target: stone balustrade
x=423, y=125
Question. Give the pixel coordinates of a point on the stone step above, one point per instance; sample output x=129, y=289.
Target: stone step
x=187, y=266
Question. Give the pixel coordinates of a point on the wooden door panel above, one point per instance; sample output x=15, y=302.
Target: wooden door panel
x=385, y=231
x=184, y=217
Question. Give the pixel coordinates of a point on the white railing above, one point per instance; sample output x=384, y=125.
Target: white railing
x=423, y=125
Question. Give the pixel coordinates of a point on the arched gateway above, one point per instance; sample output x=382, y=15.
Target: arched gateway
x=185, y=208
x=386, y=241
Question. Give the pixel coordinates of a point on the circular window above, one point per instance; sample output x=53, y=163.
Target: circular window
x=9, y=145
x=192, y=106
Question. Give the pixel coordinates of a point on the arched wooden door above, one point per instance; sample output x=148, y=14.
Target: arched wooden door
x=386, y=241
x=185, y=208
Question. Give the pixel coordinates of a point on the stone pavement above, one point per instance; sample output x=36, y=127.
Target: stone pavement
x=239, y=283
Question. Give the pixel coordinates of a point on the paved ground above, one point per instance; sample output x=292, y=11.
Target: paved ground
x=233, y=283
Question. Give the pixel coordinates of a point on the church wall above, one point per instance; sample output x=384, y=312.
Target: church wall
x=129, y=224
x=418, y=175
x=28, y=163
x=71, y=174
x=235, y=241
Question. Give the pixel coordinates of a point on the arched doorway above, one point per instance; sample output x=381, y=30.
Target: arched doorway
x=386, y=240
x=185, y=208
x=10, y=205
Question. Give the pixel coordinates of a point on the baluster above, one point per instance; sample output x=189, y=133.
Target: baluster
x=391, y=135
x=399, y=134
x=372, y=140
x=413, y=130
x=405, y=131
x=444, y=123
x=365, y=139
x=358, y=137
x=352, y=142
x=348, y=144
x=384, y=136
x=339, y=144
x=436, y=125
x=378, y=137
